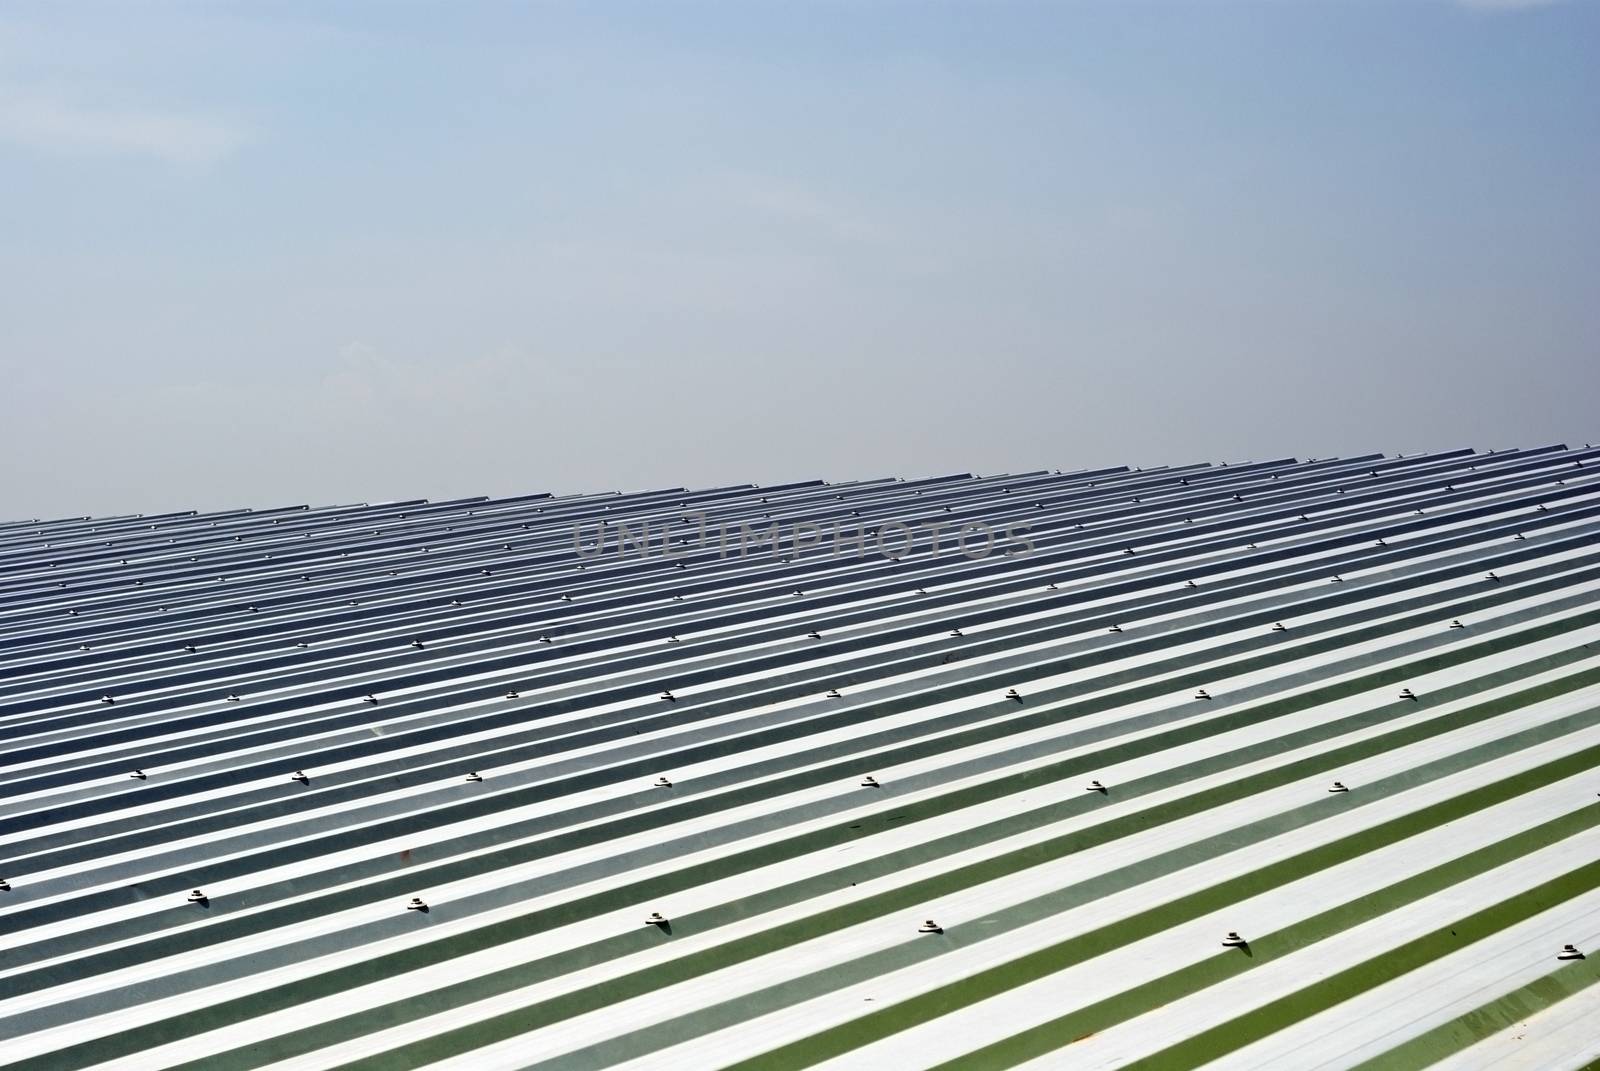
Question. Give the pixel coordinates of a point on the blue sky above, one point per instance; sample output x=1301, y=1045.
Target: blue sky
x=253, y=254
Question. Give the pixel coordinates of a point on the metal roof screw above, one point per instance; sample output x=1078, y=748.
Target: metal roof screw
x=1012, y=693
x=833, y=693
x=1493, y=577
x=1202, y=694
x=369, y=698
x=138, y=775
x=1278, y=626
x=1407, y=693
x=198, y=897
x=1569, y=952
x=870, y=782
x=475, y=777
x=5, y=886
x=300, y=775
x=1233, y=940
x=232, y=698
x=662, y=782
x=107, y=699
x=1096, y=786
x=957, y=632
x=1457, y=624
x=1114, y=628
x=416, y=904
x=417, y=644
x=669, y=697
x=656, y=919
x=1338, y=786
x=813, y=635
x=930, y=926
x=191, y=648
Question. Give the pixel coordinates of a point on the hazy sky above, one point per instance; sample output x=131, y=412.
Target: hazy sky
x=260, y=254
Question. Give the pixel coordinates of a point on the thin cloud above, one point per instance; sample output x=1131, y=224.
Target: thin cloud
x=797, y=204
x=52, y=124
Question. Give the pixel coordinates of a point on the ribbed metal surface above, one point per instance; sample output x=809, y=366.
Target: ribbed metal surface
x=313, y=716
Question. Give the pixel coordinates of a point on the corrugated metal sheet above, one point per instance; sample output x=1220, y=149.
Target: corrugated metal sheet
x=237, y=746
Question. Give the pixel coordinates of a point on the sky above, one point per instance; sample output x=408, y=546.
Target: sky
x=275, y=253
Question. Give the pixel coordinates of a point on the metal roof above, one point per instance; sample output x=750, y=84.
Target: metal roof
x=1288, y=764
